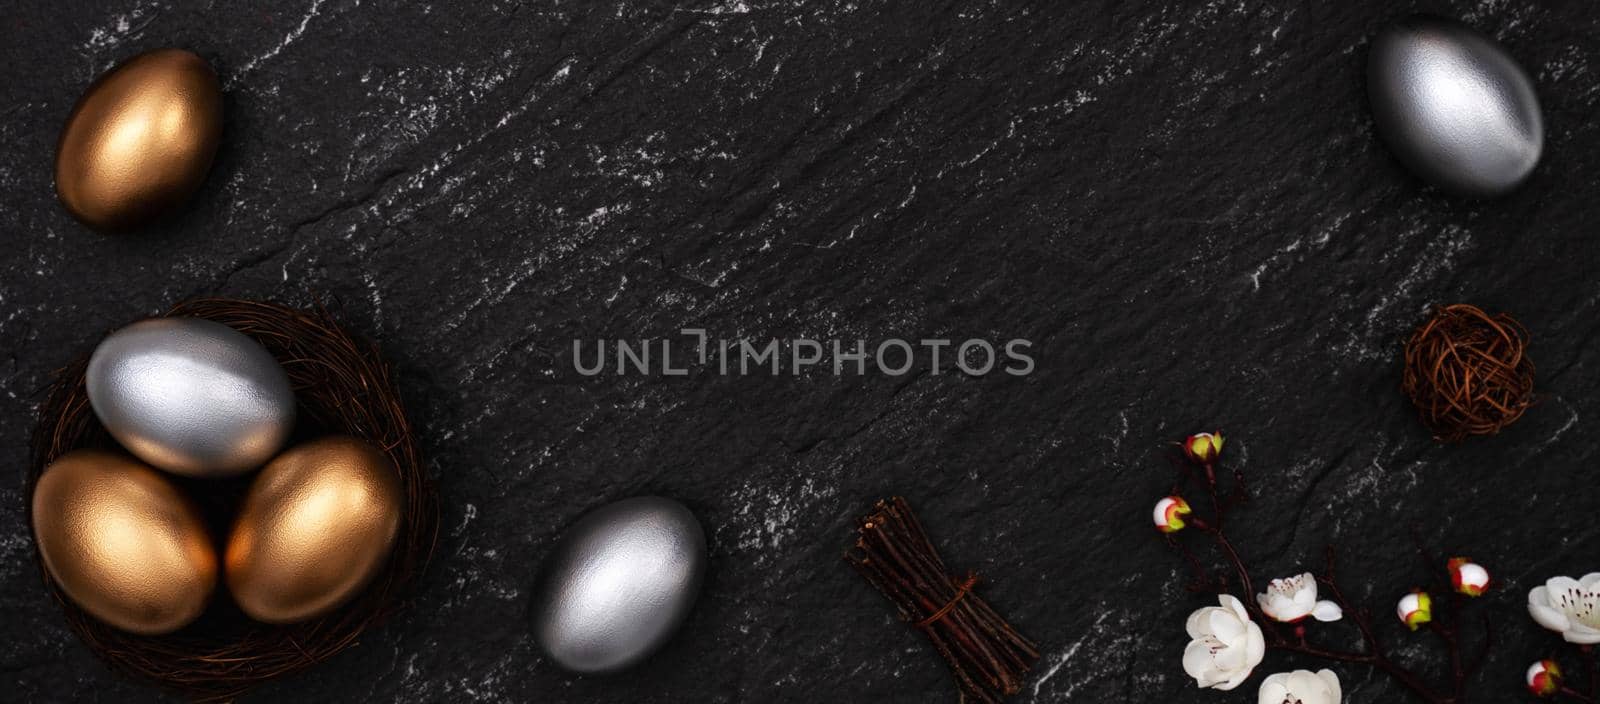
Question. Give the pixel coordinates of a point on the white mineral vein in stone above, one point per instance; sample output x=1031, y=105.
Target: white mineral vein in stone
x=1066, y=656
x=290, y=38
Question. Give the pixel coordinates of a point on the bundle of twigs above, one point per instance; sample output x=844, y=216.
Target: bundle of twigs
x=988, y=657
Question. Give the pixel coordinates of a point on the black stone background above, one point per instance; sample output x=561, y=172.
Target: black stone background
x=1184, y=206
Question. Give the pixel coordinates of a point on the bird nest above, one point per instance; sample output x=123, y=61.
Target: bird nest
x=342, y=386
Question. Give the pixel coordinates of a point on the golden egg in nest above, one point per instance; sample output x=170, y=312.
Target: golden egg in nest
x=140, y=141
x=122, y=542
x=317, y=524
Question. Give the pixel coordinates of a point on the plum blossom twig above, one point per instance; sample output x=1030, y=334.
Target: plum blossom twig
x=1288, y=632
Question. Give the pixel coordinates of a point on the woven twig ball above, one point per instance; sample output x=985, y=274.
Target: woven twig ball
x=1468, y=372
x=342, y=386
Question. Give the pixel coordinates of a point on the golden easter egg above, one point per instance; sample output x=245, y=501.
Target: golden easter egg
x=140, y=141
x=122, y=542
x=316, y=525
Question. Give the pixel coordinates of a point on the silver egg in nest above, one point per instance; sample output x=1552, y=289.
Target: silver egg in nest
x=191, y=396
x=619, y=584
x=1454, y=106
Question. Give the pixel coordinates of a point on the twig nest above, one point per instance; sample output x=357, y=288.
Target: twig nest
x=342, y=387
x=1468, y=372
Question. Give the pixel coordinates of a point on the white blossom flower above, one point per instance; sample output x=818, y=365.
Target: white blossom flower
x=1226, y=645
x=1570, y=607
x=1291, y=600
x=1301, y=687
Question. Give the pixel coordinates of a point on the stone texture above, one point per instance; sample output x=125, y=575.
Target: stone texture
x=1184, y=206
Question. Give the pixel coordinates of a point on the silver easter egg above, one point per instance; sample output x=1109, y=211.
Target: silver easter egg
x=619, y=584
x=1454, y=106
x=191, y=396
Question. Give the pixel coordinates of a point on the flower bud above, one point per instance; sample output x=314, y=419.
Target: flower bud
x=1203, y=448
x=1169, y=514
x=1544, y=678
x=1468, y=577
x=1415, y=609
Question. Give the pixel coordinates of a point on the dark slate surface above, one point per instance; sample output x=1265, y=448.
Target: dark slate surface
x=1183, y=206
